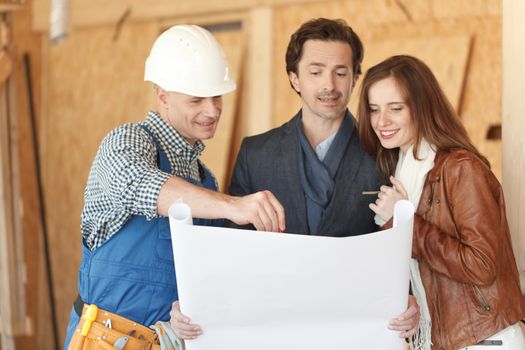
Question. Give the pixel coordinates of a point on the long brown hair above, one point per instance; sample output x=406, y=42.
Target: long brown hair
x=433, y=116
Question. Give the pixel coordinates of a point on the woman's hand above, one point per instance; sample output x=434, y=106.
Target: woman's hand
x=387, y=198
x=408, y=322
x=181, y=324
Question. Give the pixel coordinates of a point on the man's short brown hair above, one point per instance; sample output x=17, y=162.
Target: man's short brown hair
x=326, y=30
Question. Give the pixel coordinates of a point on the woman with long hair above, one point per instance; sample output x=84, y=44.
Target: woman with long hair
x=463, y=270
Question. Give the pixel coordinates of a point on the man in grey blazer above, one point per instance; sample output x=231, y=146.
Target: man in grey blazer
x=314, y=164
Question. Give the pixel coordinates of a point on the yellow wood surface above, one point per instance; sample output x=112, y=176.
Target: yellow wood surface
x=6, y=66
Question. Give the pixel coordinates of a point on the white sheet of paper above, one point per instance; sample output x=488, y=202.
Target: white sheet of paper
x=252, y=290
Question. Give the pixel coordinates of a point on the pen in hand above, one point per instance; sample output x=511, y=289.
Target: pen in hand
x=369, y=192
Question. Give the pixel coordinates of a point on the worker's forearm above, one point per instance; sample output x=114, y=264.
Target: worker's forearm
x=204, y=203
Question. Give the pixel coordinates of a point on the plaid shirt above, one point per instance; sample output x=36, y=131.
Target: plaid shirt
x=125, y=180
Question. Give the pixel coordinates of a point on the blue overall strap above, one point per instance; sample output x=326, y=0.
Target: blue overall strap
x=162, y=160
x=208, y=180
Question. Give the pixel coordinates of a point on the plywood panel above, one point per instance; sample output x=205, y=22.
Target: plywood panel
x=466, y=8
x=93, y=84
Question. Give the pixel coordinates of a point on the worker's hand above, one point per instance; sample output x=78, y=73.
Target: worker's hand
x=181, y=324
x=260, y=209
x=408, y=322
x=387, y=198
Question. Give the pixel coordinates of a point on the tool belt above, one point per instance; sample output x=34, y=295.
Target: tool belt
x=100, y=329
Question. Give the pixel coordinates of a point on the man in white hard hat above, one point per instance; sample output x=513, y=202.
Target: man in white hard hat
x=127, y=278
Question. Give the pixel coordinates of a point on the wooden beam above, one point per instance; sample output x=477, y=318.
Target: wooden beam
x=6, y=66
x=513, y=124
x=10, y=5
x=102, y=12
x=206, y=20
x=257, y=114
x=12, y=268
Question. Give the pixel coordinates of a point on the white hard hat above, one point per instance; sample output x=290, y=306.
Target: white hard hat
x=188, y=59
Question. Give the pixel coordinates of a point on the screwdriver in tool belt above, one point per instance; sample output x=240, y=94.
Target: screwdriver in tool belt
x=89, y=317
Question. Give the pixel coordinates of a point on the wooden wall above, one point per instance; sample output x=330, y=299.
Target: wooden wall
x=94, y=81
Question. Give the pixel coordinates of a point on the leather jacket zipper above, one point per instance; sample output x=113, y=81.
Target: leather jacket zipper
x=480, y=299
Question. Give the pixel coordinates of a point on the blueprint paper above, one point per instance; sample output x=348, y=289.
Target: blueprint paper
x=251, y=290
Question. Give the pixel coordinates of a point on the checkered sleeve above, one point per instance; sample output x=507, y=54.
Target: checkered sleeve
x=127, y=170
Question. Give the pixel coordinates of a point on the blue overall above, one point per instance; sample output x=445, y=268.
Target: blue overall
x=133, y=274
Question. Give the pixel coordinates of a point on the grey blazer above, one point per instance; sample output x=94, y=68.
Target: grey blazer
x=270, y=161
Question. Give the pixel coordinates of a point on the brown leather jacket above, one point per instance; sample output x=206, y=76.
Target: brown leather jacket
x=462, y=242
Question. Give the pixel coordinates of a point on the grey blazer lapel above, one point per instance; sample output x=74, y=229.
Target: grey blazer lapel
x=295, y=205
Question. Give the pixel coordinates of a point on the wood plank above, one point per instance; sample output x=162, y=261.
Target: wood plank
x=6, y=218
x=257, y=92
x=6, y=66
x=9, y=7
x=513, y=125
x=12, y=274
x=100, y=12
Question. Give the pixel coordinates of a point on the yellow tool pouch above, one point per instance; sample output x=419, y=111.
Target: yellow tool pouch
x=100, y=329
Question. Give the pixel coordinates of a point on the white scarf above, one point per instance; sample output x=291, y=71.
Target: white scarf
x=412, y=174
